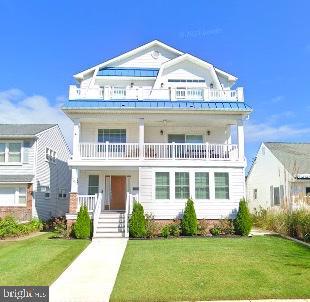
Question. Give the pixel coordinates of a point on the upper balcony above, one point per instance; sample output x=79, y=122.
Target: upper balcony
x=144, y=93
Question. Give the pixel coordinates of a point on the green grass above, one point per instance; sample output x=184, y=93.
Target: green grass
x=213, y=268
x=38, y=260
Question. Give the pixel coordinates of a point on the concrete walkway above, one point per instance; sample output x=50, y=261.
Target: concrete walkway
x=92, y=275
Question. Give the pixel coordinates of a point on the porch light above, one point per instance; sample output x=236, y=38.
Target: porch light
x=211, y=85
x=208, y=132
x=131, y=85
x=161, y=132
x=162, y=85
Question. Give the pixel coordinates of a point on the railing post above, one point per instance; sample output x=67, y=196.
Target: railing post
x=76, y=139
x=173, y=150
x=240, y=95
x=141, y=138
x=107, y=150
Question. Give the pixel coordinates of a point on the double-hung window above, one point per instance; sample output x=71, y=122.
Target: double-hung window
x=10, y=152
x=202, y=185
x=181, y=185
x=221, y=180
x=162, y=185
x=112, y=135
x=93, y=184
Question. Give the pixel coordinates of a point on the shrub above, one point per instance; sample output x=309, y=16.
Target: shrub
x=174, y=229
x=137, y=222
x=203, y=227
x=215, y=231
x=81, y=228
x=226, y=226
x=243, y=221
x=58, y=225
x=189, y=224
x=151, y=226
x=165, y=232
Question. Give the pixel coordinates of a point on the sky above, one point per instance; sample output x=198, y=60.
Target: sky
x=266, y=44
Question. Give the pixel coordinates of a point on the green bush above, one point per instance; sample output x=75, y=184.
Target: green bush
x=137, y=222
x=151, y=226
x=226, y=226
x=165, y=232
x=81, y=228
x=215, y=231
x=174, y=229
x=9, y=227
x=243, y=222
x=203, y=227
x=189, y=224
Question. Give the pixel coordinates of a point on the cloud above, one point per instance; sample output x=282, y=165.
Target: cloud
x=258, y=132
x=277, y=98
x=17, y=107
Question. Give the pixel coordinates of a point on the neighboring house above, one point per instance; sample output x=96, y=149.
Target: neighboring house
x=279, y=176
x=154, y=124
x=34, y=174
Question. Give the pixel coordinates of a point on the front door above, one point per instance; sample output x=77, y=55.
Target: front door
x=118, y=192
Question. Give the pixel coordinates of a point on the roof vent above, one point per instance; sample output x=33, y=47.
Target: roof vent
x=155, y=54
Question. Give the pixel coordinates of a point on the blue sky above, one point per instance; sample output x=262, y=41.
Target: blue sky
x=266, y=44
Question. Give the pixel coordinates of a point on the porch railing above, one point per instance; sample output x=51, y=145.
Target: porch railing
x=130, y=199
x=87, y=200
x=97, y=212
x=158, y=151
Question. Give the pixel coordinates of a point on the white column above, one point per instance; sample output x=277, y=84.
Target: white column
x=240, y=131
x=141, y=137
x=76, y=139
x=75, y=180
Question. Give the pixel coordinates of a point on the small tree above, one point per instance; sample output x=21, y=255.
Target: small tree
x=189, y=224
x=243, y=222
x=137, y=223
x=82, y=226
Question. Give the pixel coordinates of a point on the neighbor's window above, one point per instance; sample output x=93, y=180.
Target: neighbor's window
x=181, y=185
x=13, y=196
x=93, y=184
x=22, y=195
x=112, y=135
x=162, y=185
x=276, y=196
x=221, y=180
x=10, y=152
x=308, y=191
x=202, y=185
x=62, y=193
x=50, y=155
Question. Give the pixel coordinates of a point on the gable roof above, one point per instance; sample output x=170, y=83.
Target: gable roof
x=127, y=55
x=295, y=157
x=23, y=130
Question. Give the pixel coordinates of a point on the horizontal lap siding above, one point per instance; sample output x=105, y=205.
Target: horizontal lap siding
x=210, y=209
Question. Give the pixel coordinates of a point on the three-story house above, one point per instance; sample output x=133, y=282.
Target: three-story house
x=155, y=124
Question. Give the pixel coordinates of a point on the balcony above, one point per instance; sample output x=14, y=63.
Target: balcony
x=142, y=93
x=158, y=151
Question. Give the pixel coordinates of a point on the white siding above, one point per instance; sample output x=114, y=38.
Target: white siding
x=267, y=171
x=209, y=209
x=55, y=175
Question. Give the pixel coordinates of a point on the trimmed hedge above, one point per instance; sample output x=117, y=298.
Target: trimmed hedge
x=189, y=223
x=137, y=222
x=243, y=222
x=82, y=227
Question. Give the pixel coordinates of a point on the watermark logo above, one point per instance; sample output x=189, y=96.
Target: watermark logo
x=24, y=293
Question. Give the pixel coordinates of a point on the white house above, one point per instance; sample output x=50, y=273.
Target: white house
x=279, y=176
x=34, y=174
x=155, y=124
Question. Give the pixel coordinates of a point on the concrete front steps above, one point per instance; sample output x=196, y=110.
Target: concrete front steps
x=111, y=224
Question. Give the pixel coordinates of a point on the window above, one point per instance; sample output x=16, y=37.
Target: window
x=254, y=194
x=62, y=193
x=112, y=135
x=50, y=155
x=10, y=152
x=162, y=185
x=276, y=196
x=22, y=195
x=13, y=196
x=202, y=185
x=181, y=185
x=185, y=81
x=182, y=138
x=93, y=184
x=308, y=191
x=221, y=180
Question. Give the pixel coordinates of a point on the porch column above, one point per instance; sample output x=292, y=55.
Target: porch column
x=240, y=132
x=73, y=202
x=141, y=137
x=76, y=139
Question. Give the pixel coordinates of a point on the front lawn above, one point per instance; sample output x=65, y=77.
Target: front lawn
x=38, y=260
x=213, y=268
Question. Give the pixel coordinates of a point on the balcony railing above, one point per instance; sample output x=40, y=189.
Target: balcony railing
x=158, y=151
x=142, y=93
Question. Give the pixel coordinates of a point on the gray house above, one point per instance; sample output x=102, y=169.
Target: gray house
x=279, y=176
x=34, y=174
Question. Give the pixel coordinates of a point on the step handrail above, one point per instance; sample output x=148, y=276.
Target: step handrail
x=128, y=195
x=97, y=212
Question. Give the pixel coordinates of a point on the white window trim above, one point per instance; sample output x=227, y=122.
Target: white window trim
x=169, y=174
x=52, y=158
x=16, y=196
x=229, y=186
x=194, y=186
x=109, y=128
x=6, y=153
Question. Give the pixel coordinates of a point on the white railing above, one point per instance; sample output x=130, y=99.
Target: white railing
x=97, y=212
x=191, y=151
x=130, y=199
x=150, y=151
x=109, y=150
x=87, y=200
x=147, y=93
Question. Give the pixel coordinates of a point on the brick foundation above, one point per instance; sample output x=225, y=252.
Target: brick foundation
x=73, y=202
x=21, y=213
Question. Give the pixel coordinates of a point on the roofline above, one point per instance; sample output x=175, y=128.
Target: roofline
x=127, y=54
x=18, y=136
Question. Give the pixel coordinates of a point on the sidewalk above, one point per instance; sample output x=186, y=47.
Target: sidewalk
x=92, y=275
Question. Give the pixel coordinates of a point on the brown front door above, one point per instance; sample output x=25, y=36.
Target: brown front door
x=118, y=190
